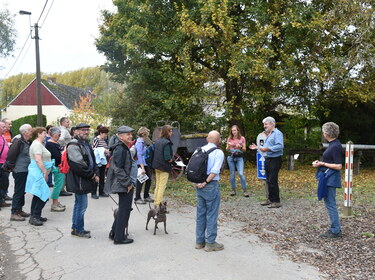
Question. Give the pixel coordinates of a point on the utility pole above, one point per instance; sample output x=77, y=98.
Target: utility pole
x=38, y=78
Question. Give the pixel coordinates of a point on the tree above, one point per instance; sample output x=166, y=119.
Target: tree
x=7, y=33
x=84, y=111
x=267, y=55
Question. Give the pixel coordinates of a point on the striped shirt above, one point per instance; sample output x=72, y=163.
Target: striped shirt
x=98, y=143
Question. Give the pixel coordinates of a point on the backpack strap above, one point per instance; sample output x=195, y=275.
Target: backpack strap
x=211, y=150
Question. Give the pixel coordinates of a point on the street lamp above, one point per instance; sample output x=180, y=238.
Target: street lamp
x=38, y=76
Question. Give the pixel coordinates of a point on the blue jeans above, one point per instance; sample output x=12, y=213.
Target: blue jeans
x=208, y=203
x=330, y=202
x=236, y=163
x=80, y=206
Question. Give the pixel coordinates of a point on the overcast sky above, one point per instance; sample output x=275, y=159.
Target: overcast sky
x=67, y=35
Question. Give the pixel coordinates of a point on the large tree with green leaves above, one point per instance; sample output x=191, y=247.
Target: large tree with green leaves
x=263, y=54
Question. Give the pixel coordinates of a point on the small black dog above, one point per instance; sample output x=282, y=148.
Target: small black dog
x=161, y=216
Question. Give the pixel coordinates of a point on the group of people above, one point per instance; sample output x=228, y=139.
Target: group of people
x=113, y=165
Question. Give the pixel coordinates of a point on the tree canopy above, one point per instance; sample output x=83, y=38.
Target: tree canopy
x=7, y=33
x=246, y=57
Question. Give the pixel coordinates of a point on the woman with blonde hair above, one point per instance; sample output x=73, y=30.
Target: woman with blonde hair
x=163, y=156
x=236, y=145
x=143, y=133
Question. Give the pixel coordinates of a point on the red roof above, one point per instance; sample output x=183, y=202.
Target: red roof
x=28, y=96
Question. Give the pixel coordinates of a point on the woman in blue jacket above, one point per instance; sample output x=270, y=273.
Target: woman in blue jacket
x=331, y=166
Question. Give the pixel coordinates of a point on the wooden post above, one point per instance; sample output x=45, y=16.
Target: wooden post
x=357, y=162
x=290, y=159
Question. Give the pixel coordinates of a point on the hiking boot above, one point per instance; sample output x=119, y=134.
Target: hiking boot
x=7, y=197
x=83, y=234
x=23, y=214
x=35, y=222
x=148, y=199
x=200, y=245
x=42, y=219
x=140, y=201
x=57, y=208
x=267, y=202
x=94, y=196
x=233, y=193
x=210, y=247
x=245, y=194
x=17, y=217
x=275, y=205
x=5, y=204
x=330, y=234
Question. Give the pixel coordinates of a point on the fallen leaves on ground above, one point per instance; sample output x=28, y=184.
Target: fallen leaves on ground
x=294, y=228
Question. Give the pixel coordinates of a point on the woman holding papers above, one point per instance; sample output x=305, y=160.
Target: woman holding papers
x=143, y=169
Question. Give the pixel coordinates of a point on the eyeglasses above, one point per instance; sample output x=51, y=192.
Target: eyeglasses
x=85, y=129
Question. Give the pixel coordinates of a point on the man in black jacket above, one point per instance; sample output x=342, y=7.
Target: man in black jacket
x=18, y=160
x=121, y=179
x=82, y=177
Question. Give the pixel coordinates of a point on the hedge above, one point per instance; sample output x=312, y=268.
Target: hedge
x=31, y=119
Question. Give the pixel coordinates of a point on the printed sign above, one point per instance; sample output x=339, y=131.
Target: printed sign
x=261, y=166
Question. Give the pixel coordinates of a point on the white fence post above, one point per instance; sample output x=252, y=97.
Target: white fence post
x=348, y=179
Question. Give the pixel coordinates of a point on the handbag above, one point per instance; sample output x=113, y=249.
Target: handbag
x=237, y=154
x=1, y=164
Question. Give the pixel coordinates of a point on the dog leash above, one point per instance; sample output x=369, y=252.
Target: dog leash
x=134, y=203
x=113, y=199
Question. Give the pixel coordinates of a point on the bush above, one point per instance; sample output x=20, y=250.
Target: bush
x=31, y=119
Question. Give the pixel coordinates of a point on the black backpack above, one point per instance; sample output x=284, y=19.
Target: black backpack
x=149, y=155
x=196, y=171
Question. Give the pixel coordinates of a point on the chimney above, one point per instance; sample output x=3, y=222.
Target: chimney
x=51, y=80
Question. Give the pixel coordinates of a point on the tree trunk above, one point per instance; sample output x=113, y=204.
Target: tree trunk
x=234, y=99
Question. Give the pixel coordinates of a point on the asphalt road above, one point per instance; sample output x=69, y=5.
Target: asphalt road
x=49, y=251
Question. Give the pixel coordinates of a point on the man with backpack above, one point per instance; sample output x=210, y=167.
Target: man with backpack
x=208, y=195
x=82, y=176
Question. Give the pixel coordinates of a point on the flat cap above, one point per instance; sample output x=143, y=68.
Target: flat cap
x=124, y=129
x=82, y=125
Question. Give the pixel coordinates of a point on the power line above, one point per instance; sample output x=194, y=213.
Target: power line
x=47, y=13
x=42, y=11
x=27, y=50
x=28, y=37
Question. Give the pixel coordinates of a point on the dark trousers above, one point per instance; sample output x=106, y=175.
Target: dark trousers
x=273, y=166
x=4, y=184
x=37, y=206
x=123, y=214
x=147, y=185
x=101, y=181
x=19, y=191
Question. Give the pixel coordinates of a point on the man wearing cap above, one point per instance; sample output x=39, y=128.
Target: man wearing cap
x=121, y=179
x=82, y=177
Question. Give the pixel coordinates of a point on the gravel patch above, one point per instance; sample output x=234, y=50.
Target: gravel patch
x=293, y=231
